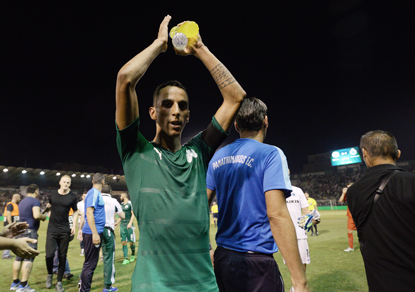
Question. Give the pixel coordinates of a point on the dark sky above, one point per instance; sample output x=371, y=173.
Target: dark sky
x=328, y=72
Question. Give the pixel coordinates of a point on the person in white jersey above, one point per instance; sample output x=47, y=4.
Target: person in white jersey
x=298, y=206
x=108, y=237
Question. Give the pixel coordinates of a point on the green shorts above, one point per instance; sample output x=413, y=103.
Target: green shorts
x=127, y=234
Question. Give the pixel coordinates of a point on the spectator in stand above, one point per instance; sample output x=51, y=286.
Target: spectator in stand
x=312, y=204
x=11, y=214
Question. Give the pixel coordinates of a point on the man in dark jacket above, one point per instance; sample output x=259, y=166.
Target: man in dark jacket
x=385, y=226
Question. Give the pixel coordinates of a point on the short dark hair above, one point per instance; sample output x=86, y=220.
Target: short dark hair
x=31, y=189
x=380, y=144
x=165, y=84
x=106, y=188
x=97, y=178
x=251, y=114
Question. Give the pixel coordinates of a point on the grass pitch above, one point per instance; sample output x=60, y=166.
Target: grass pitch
x=331, y=268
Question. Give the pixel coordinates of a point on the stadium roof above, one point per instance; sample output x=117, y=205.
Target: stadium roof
x=17, y=176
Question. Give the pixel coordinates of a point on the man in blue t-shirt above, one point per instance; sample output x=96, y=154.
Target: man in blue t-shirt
x=251, y=182
x=92, y=225
x=29, y=212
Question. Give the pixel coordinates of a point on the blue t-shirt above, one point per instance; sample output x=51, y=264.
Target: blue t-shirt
x=26, y=212
x=94, y=199
x=241, y=173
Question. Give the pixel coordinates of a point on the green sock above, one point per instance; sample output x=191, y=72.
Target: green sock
x=132, y=249
x=125, y=251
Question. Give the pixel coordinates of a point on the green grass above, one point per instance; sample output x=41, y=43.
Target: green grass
x=331, y=268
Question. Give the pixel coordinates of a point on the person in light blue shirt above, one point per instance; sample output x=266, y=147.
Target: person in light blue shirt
x=251, y=182
x=92, y=224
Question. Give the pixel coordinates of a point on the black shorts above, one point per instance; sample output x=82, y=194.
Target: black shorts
x=30, y=233
x=246, y=272
x=215, y=215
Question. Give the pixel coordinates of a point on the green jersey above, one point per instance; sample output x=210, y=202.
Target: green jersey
x=168, y=193
x=127, y=209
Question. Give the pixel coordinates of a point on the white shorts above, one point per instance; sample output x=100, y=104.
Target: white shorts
x=304, y=251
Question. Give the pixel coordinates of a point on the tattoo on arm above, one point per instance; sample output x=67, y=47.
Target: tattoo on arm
x=222, y=76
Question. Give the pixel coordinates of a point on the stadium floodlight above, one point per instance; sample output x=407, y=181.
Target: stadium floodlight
x=42, y=172
x=82, y=175
x=73, y=175
x=24, y=171
x=88, y=176
x=5, y=170
x=58, y=174
x=114, y=177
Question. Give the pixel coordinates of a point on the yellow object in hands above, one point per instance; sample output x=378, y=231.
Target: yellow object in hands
x=184, y=35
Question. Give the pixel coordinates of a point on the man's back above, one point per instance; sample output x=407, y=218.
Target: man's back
x=251, y=168
x=386, y=228
x=111, y=207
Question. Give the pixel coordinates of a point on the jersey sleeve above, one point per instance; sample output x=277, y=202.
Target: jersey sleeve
x=75, y=204
x=276, y=173
x=79, y=207
x=90, y=200
x=130, y=140
x=10, y=207
x=36, y=203
x=117, y=205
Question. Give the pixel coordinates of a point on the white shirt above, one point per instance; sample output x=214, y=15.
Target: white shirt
x=81, y=209
x=111, y=206
x=295, y=203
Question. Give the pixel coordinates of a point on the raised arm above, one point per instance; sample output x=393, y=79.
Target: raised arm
x=283, y=231
x=231, y=90
x=131, y=73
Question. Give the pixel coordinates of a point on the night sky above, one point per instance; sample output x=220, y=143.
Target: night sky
x=328, y=71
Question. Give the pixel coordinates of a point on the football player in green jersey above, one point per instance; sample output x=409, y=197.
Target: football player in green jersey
x=167, y=180
x=127, y=233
